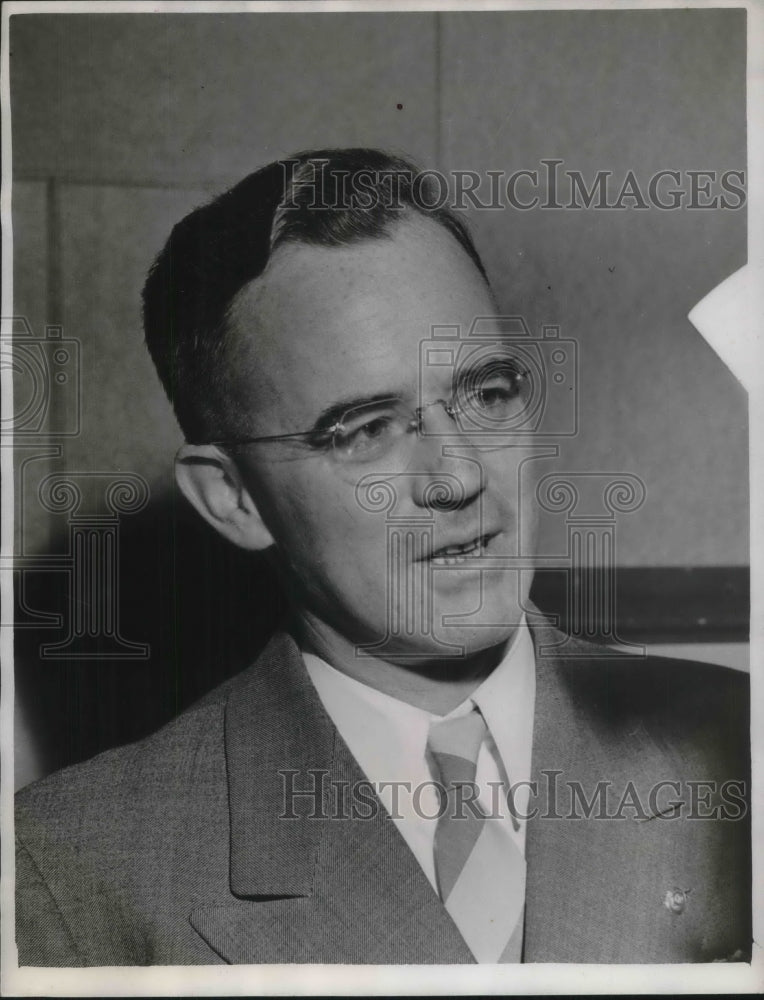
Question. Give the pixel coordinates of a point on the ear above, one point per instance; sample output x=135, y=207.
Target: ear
x=211, y=482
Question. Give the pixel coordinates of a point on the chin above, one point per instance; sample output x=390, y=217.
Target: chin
x=461, y=624
x=493, y=609
x=477, y=639
x=454, y=643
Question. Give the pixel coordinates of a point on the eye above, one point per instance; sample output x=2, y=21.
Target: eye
x=498, y=391
x=361, y=434
x=374, y=428
x=496, y=395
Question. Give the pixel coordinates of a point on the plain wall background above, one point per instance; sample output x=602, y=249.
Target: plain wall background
x=123, y=123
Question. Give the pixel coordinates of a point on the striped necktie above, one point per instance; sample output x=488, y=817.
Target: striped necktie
x=480, y=869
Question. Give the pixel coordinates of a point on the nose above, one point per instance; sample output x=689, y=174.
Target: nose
x=447, y=473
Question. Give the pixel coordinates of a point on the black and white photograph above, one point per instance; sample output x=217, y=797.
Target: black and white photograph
x=382, y=403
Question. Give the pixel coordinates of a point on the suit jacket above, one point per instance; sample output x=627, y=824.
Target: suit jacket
x=176, y=850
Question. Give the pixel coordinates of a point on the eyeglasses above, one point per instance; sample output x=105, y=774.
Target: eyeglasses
x=374, y=430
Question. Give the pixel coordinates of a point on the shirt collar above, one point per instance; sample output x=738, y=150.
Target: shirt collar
x=383, y=732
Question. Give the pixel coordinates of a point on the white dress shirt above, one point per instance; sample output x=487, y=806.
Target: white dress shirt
x=388, y=739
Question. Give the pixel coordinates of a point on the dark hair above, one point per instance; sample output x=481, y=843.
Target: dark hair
x=328, y=198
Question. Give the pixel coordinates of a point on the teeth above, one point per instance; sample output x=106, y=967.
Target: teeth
x=447, y=560
x=456, y=554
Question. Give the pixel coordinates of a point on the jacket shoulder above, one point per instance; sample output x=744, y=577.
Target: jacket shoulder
x=130, y=772
x=696, y=711
x=111, y=851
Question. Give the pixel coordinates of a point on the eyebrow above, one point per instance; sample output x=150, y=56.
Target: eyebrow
x=484, y=363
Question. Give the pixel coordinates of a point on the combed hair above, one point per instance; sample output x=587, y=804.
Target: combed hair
x=308, y=198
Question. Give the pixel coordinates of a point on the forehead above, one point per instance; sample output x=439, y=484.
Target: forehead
x=321, y=324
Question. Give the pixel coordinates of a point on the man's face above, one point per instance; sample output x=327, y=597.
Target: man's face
x=323, y=329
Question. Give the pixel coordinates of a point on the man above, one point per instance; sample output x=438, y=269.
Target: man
x=412, y=771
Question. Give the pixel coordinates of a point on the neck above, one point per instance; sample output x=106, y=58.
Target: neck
x=436, y=686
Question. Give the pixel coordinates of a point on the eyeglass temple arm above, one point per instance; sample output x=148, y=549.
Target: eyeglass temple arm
x=257, y=440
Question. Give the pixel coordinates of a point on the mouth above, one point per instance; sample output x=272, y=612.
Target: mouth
x=454, y=555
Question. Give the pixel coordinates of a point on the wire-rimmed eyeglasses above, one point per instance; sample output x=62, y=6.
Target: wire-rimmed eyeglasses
x=372, y=430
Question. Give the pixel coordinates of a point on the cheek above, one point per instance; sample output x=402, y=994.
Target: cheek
x=317, y=522
x=513, y=473
x=337, y=559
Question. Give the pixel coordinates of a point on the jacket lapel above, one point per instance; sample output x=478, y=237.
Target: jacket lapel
x=318, y=872
x=561, y=860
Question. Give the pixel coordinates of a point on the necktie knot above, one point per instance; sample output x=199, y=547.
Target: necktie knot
x=454, y=745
